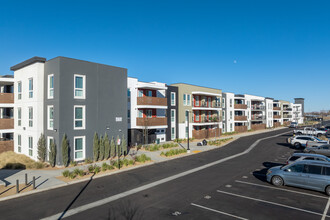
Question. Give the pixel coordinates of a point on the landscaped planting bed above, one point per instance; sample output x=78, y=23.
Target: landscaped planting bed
x=173, y=152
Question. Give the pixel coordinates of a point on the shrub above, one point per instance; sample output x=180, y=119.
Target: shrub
x=139, y=146
x=66, y=173
x=112, y=148
x=142, y=158
x=173, y=152
x=101, y=146
x=42, y=150
x=90, y=169
x=104, y=166
x=39, y=165
x=96, y=147
x=131, y=162
x=97, y=169
x=106, y=146
x=65, y=151
x=124, y=145
x=125, y=162
x=52, y=154
x=74, y=163
x=109, y=167
x=88, y=160
x=72, y=175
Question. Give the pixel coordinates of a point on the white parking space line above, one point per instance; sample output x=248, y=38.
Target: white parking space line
x=287, y=190
x=217, y=211
x=272, y=203
x=109, y=199
x=326, y=210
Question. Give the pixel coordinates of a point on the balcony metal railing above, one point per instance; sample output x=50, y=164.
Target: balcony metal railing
x=258, y=117
x=257, y=107
x=206, y=120
x=209, y=105
x=287, y=109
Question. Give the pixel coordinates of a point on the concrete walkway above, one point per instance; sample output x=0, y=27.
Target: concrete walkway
x=47, y=178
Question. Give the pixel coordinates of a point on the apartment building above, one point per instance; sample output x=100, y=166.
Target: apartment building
x=277, y=113
x=199, y=111
x=297, y=113
x=68, y=96
x=286, y=108
x=6, y=113
x=147, y=112
x=241, y=113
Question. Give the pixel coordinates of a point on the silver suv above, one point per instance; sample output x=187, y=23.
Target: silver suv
x=306, y=174
x=301, y=140
x=303, y=156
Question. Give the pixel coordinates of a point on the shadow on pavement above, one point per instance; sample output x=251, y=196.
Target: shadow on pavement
x=261, y=174
x=5, y=173
x=77, y=196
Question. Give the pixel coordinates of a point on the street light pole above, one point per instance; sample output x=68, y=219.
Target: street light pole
x=188, y=149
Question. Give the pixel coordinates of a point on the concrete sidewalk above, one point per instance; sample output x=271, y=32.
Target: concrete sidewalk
x=47, y=178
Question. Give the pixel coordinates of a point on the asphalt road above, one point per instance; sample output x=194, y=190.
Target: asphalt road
x=232, y=189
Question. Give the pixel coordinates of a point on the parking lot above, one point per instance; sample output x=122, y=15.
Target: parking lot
x=250, y=196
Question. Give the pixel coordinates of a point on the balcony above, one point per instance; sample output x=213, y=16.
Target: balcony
x=276, y=124
x=258, y=126
x=6, y=123
x=241, y=128
x=6, y=146
x=207, y=120
x=149, y=122
x=258, y=117
x=156, y=101
x=240, y=106
x=208, y=105
x=277, y=116
x=240, y=118
x=287, y=116
x=206, y=133
x=277, y=108
x=287, y=109
x=258, y=107
x=7, y=98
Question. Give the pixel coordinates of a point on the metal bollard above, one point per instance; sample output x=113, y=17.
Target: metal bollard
x=34, y=182
x=17, y=186
x=26, y=179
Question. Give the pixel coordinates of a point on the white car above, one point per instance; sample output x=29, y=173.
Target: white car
x=301, y=140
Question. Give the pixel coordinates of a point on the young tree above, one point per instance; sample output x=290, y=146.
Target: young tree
x=124, y=145
x=42, y=150
x=96, y=147
x=118, y=147
x=101, y=145
x=65, y=151
x=106, y=147
x=112, y=148
x=52, y=154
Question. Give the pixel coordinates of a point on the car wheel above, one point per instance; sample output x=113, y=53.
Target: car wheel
x=278, y=181
x=297, y=145
x=327, y=190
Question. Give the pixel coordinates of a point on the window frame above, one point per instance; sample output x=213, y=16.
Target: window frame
x=172, y=116
x=30, y=88
x=48, y=117
x=30, y=116
x=19, y=90
x=188, y=100
x=19, y=143
x=83, y=117
x=83, y=148
x=19, y=116
x=48, y=146
x=173, y=98
x=30, y=146
x=173, y=133
x=49, y=96
x=83, y=89
x=185, y=99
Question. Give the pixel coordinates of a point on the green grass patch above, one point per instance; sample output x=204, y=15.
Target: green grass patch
x=173, y=152
x=219, y=142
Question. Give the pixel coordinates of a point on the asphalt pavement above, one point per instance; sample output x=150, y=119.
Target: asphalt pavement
x=231, y=187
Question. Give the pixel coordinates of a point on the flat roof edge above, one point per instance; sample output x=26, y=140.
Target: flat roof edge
x=28, y=62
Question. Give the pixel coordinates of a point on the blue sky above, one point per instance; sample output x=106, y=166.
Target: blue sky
x=272, y=48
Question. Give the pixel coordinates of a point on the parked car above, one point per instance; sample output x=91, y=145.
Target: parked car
x=315, y=143
x=323, y=149
x=293, y=125
x=306, y=174
x=323, y=129
x=305, y=156
x=309, y=131
x=301, y=140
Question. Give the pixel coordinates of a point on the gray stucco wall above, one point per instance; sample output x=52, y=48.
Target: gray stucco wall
x=106, y=99
x=169, y=108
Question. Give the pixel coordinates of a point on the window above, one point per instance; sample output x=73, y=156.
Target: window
x=188, y=100
x=79, y=117
x=326, y=171
x=128, y=93
x=79, y=86
x=187, y=115
x=31, y=146
x=30, y=116
x=187, y=132
x=140, y=93
x=172, y=133
x=312, y=169
x=184, y=99
x=197, y=100
x=79, y=148
x=50, y=141
x=31, y=88
x=172, y=98
x=231, y=114
x=140, y=114
x=149, y=93
x=50, y=86
x=231, y=102
x=197, y=116
x=231, y=126
x=223, y=103
x=149, y=113
x=298, y=168
x=172, y=115
x=19, y=143
x=128, y=114
x=50, y=122
x=223, y=115
x=19, y=90
x=19, y=116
